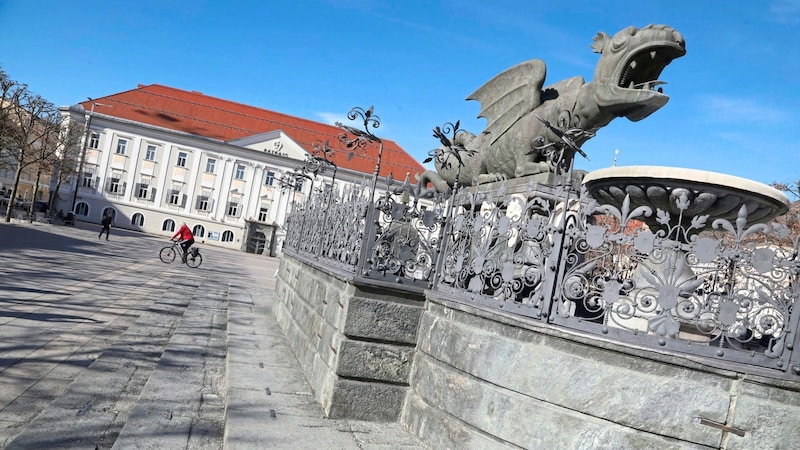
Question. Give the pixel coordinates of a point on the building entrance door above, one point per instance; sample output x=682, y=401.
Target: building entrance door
x=257, y=243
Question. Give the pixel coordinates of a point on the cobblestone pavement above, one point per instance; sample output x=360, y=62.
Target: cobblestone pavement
x=104, y=346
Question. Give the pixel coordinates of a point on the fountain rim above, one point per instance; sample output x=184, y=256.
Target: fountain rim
x=692, y=176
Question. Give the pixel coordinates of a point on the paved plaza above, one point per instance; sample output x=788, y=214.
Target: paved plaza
x=104, y=346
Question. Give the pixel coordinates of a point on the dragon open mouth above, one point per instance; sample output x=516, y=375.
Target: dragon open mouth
x=642, y=70
x=629, y=69
x=630, y=63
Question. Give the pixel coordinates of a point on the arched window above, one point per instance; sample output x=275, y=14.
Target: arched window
x=82, y=209
x=198, y=231
x=227, y=236
x=169, y=225
x=138, y=220
x=110, y=210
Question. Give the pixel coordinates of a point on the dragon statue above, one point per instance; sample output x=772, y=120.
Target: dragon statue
x=531, y=129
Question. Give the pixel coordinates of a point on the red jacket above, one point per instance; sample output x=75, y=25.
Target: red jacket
x=184, y=232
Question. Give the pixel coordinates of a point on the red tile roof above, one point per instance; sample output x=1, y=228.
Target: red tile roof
x=210, y=117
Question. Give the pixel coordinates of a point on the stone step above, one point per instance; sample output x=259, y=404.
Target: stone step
x=95, y=407
x=182, y=404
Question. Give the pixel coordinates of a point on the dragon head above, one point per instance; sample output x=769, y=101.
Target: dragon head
x=626, y=77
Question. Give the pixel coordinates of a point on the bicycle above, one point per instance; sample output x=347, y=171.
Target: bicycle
x=192, y=259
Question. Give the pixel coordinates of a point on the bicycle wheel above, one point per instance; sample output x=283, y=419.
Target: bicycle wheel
x=194, y=261
x=167, y=254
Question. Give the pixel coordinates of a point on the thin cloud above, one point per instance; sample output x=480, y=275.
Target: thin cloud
x=332, y=118
x=742, y=110
x=733, y=136
x=785, y=11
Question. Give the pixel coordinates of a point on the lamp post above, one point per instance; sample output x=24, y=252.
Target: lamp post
x=289, y=182
x=282, y=222
x=86, y=131
x=322, y=151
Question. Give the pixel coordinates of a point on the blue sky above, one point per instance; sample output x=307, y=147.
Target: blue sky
x=735, y=96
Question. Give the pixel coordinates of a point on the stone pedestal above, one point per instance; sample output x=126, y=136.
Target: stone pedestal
x=355, y=343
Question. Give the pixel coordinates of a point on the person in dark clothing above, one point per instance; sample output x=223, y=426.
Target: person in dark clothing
x=106, y=226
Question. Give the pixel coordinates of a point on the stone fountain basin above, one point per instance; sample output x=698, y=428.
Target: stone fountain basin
x=718, y=195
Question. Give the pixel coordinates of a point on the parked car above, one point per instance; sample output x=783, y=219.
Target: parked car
x=40, y=207
x=18, y=202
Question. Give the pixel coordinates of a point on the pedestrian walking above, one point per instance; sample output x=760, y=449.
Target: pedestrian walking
x=106, y=226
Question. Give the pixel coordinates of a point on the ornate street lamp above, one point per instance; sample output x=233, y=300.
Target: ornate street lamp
x=320, y=161
x=357, y=145
x=289, y=182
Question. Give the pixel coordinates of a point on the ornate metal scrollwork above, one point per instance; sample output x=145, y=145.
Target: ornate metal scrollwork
x=719, y=290
x=667, y=276
x=355, y=141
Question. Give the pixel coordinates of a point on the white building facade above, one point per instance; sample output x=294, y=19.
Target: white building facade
x=153, y=179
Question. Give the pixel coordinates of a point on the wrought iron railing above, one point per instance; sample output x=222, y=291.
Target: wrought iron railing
x=727, y=294
x=723, y=291
x=393, y=240
x=330, y=228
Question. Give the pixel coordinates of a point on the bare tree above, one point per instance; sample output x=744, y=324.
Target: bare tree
x=7, y=91
x=49, y=150
x=31, y=131
x=792, y=218
x=792, y=188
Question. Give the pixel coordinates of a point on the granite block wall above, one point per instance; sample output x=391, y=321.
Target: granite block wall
x=483, y=380
x=354, y=342
x=460, y=376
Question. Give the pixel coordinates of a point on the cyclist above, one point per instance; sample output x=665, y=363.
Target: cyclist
x=184, y=234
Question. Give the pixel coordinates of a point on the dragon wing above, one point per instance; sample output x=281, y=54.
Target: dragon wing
x=510, y=95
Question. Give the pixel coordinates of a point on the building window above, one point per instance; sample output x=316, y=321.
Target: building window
x=87, y=179
x=298, y=184
x=239, y=172
x=115, y=185
x=174, y=197
x=150, y=153
x=168, y=225
x=199, y=231
x=122, y=144
x=82, y=209
x=142, y=189
x=182, y=159
x=137, y=220
x=227, y=236
x=269, y=179
x=263, y=213
x=232, y=209
x=94, y=141
x=210, y=165
x=203, y=203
